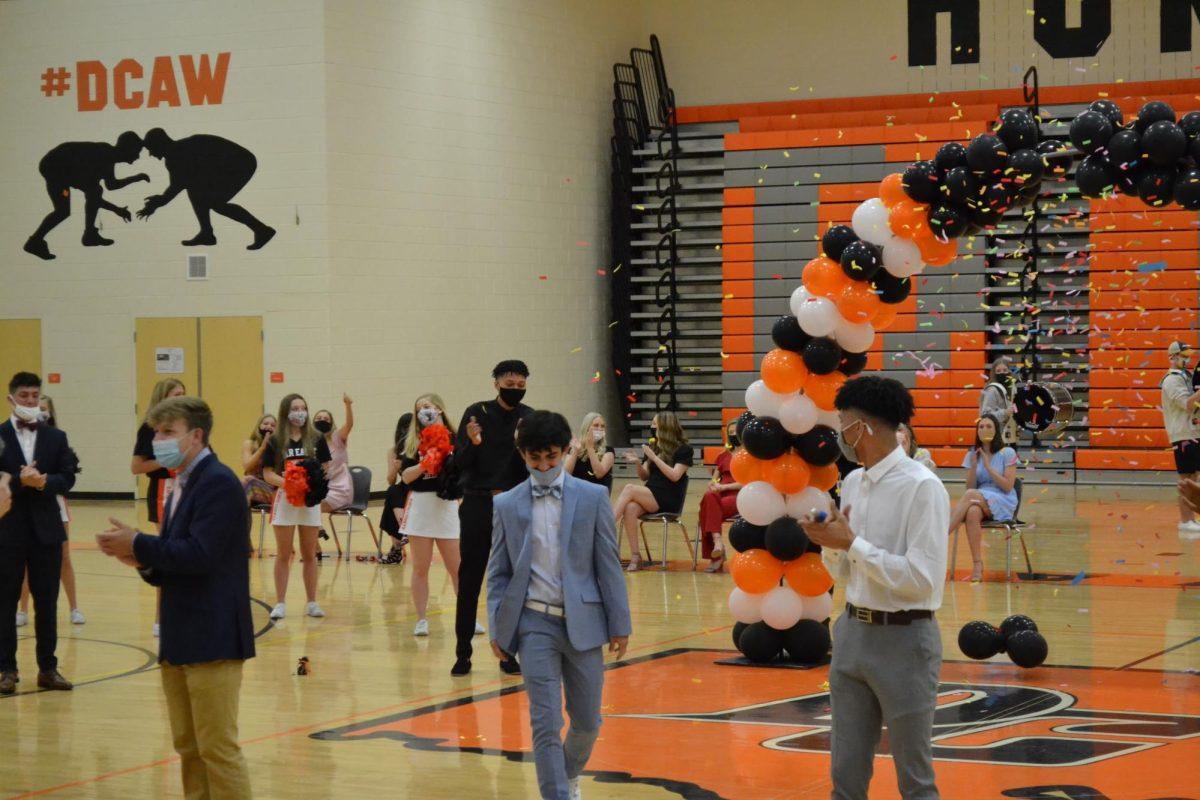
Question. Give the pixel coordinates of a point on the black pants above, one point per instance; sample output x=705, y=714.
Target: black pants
x=45, y=570
x=475, y=545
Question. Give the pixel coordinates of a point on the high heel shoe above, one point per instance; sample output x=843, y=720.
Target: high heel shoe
x=977, y=572
x=635, y=563
x=717, y=564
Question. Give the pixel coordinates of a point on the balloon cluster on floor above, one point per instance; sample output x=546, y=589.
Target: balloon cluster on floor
x=1017, y=635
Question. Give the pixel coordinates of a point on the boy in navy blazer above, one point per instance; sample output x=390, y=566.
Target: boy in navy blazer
x=200, y=561
x=38, y=465
x=556, y=595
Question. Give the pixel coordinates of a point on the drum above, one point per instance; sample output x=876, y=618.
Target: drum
x=1044, y=408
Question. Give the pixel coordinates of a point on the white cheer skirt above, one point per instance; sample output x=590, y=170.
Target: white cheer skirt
x=284, y=513
x=429, y=515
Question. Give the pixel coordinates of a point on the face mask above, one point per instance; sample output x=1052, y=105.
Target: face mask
x=428, y=416
x=266, y=434
x=167, y=453
x=597, y=436
x=28, y=413
x=845, y=446
x=323, y=425
x=298, y=418
x=512, y=397
x=733, y=440
x=544, y=477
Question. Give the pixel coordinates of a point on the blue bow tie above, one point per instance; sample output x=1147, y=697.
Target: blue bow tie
x=554, y=490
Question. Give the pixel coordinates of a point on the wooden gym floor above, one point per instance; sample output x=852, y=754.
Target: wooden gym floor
x=1114, y=714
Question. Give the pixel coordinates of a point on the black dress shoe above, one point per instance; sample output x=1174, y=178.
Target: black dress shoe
x=54, y=681
x=461, y=667
x=8, y=682
x=510, y=666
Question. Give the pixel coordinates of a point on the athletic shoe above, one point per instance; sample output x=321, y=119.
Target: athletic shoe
x=479, y=629
x=279, y=611
x=313, y=610
x=573, y=790
x=22, y=619
x=77, y=617
x=1192, y=526
x=155, y=630
x=422, y=628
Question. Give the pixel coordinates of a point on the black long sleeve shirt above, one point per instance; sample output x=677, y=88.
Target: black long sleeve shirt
x=493, y=464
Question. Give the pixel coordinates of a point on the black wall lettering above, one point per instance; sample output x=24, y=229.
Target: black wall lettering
x=1062, y=42
x=922, y=31
x=1175, y=25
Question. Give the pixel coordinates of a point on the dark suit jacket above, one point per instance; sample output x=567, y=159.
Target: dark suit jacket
x=35, y=516
x=201, y=562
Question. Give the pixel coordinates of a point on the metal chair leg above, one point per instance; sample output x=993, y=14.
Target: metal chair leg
x=262, y=531
x=336, y=540
x=666, y=531
x=645, y=541
x=349, y=534
x=1025, y=550
x=374, y=536
x=694, y=550
x=1008, y=534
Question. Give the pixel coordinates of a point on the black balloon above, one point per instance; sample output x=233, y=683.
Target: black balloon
x=950, y=156
x=786, y=540
x=822, y=355
x=852, y=363
x=1094, y=176
x=1125, y=178
x=890, y=288
x=947, y=221
x=1156, y=185
x=1164, y=142
x=987, y=154
x=1027, y=649
x=743, y=536
x=1152, y=112
x=1055, y=156
x=1026, y=166
x=1125, y=148
x=1090, y=131
x=760, y=642
x=980, y=640
x=1187, y=189
x=920, y=181
x=1190, y=122
x=1016, y=622
x=738, y=629
x=806, y=642
x=861, y=260
x=835, y=240
x=1017, y=128
x=740, y=423
x=765, y=438
x=996, y=199
x=819, y=446
x=788, y=335
x=1110, y=110
x=1194, y=149
x=960, y=186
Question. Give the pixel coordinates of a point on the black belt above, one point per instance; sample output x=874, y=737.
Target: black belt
x=872, y=617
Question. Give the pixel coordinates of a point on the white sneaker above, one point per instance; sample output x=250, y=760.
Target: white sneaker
x=573, y=790
x=422, y=628
x=1193, y=526
x=479, y=629
x=22, y=619
x=279, y=611
x=313, y=610
x=154, y=630
x=77, y=617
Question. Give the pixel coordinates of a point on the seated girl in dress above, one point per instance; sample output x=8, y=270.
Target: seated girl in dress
x=663, y=466
x=991, y=488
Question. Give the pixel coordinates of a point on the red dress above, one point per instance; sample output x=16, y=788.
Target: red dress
x=716, y=507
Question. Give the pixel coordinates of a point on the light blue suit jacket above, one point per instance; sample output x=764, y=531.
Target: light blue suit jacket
x=594, y=595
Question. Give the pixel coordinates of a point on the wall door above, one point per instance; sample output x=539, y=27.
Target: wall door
x=20, y=351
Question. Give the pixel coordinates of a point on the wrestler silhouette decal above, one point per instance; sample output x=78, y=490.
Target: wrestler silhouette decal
x=210, y=169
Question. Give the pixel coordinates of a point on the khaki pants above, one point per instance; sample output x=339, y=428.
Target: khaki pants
x=202, y=700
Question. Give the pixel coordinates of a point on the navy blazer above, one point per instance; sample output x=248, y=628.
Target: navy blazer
x=201, y=563
x=35, y=514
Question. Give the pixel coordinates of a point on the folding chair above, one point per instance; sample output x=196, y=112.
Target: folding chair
x=1013, y=527
x=361, y=476
x=668, y=519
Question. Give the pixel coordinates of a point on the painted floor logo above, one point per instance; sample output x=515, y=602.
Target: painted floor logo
x=1062, y=733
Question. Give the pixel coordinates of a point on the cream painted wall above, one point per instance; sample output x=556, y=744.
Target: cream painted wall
x=739, y=51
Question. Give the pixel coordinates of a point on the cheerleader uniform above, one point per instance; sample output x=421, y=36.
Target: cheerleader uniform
x=282, y=511
x=425, y=513
x=160, y=479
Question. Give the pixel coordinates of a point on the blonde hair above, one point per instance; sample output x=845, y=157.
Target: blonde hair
x=585, y=430
x=412, y=440
x=255, y=435
x=161, y=390
x=49, y=401
x=670, y=436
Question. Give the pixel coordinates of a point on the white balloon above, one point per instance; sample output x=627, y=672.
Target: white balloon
x=818, y=607
x=829, y=419
x=854, y=337
x=745, y=607
x=799, y=296
x=782, y=608
x=818, y=316
x=798, y=414
x=760, y=504
x=902, y=257
x=870, y=222
x=761, y=401
x=802, y=504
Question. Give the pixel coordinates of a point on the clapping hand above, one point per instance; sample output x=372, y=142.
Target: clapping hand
x=834, y=532
x=474, y=432
x=31, y=477
x=648, y=451
x=117, y=541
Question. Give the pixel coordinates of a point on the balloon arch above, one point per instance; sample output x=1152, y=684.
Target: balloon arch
x=787, y=461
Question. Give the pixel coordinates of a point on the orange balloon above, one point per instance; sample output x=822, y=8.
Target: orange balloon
x=937, y=253
x=756, y=571
x=823, y=276
x=885, y=316
x=891, y=190
x=858, y=302
x=823, y=478
x=745, y=468
x=821, y=389
x=909, y=220
x=807, y=575
x=783, y=371
x=788, y=473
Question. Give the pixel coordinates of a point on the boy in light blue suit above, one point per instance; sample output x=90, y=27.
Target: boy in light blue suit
x=556, y=595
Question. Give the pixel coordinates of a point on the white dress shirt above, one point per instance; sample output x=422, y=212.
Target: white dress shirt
x=900, y=513
x=26, y=438
x=545, y=578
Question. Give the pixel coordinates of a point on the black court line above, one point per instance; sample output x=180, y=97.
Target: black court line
x=1193, y=640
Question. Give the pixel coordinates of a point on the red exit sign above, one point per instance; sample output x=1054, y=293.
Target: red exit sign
x=129, y=84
